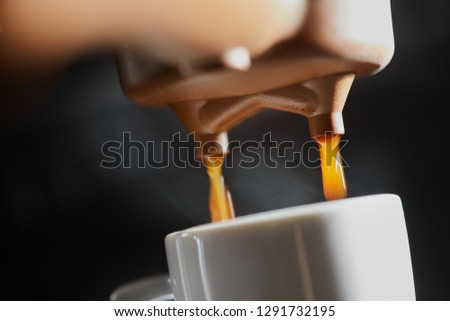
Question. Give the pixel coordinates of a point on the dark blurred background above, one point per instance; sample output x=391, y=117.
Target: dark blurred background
x=71, y=230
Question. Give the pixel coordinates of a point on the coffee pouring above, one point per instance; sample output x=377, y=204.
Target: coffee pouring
x=309, y=73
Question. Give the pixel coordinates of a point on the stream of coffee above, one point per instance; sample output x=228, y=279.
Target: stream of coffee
x=220, y=203
x=333, y=178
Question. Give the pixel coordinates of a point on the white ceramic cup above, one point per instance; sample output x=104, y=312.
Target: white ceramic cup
x=350, y=249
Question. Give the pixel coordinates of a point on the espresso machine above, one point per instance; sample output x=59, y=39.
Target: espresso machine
x=216, y=78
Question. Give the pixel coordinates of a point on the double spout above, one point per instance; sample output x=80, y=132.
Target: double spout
x=321, y=100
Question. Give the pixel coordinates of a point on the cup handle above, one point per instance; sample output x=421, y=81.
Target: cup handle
x=154, y=288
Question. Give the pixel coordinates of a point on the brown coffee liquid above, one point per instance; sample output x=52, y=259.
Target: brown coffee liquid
x=333, y=178
x=220, y=202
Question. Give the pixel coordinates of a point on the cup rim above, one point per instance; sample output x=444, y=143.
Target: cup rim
x=313, y=209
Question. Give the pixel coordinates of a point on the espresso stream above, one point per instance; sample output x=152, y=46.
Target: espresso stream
x=333, y=178
x=220, y=203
